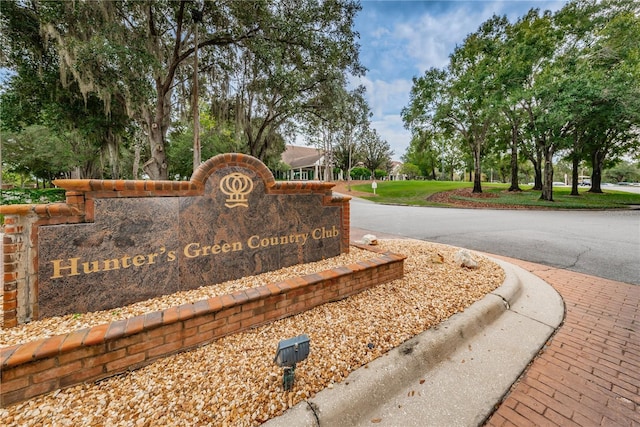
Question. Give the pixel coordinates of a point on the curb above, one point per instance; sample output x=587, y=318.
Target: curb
x=384, y=391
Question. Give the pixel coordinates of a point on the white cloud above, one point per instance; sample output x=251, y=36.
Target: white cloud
x=385, y=96
x=386, y=100
x=391, y=129
x=380, y=32
x=430, y=39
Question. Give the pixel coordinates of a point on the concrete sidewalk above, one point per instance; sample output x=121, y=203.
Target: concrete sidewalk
x=469, y=370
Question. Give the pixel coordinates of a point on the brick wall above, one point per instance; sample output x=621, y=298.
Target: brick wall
x=19, y=244
x=38, y=367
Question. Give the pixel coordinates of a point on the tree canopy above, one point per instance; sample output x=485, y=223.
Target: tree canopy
x=547, y=85
x=262, y=64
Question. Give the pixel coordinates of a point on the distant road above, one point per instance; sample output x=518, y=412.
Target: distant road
x=601, y=243
x=627, y=188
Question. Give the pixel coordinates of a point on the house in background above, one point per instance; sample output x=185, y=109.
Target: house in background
x=306, y=163
x=394, y=172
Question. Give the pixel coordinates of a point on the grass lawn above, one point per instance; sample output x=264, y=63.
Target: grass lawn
x=415, y=193
x=409, y=192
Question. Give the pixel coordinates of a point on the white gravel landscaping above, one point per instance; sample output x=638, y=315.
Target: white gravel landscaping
x=234, y=380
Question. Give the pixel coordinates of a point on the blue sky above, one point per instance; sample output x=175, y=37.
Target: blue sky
x=401, y=39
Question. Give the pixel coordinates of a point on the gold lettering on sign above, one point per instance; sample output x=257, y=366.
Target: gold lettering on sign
x=74, y=266
x=78, y=266
x=256, y=241
x=237, y=186
x=323, y=233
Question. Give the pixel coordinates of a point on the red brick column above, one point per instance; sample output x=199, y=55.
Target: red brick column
x=16, y=250
x=10, y=276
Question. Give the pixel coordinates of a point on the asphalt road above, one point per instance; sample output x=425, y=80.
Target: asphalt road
x=600, y=243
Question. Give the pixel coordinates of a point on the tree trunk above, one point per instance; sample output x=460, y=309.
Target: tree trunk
x=576, y=154
x=477, y=170
x=157, y=125
x=574, y=175
x=514, y=161
x=547, y=185
x=136, y=160
x=156, y=166
x=536, y=161
x=327, y=172
x=197, y=149
x=113, y=151
x=597, y=162
x=537, y=180
x=76, y=173
x=328, y=155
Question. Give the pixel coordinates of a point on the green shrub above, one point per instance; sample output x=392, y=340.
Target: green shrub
x=379, y=173
x=18, y=196
x=360, y=173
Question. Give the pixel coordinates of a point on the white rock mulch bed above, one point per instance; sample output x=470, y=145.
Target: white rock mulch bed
x=234, y=380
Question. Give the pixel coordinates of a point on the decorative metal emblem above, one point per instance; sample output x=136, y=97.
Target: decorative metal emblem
x=237, y=186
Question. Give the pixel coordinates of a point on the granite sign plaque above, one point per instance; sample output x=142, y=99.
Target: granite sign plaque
x=242, y=223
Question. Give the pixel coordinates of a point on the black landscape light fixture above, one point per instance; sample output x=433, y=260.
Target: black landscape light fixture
x=290, y=352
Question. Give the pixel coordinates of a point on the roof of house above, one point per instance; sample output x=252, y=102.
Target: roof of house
x=395, y=166
x=301, y=157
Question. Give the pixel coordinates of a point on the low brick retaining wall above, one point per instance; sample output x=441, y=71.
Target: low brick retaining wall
x=90, y=354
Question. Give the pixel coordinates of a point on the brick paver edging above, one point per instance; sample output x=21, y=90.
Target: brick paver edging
x=90, y=354
x=588, y=374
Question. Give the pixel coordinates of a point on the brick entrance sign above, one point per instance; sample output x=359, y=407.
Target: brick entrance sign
x=117, y=242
